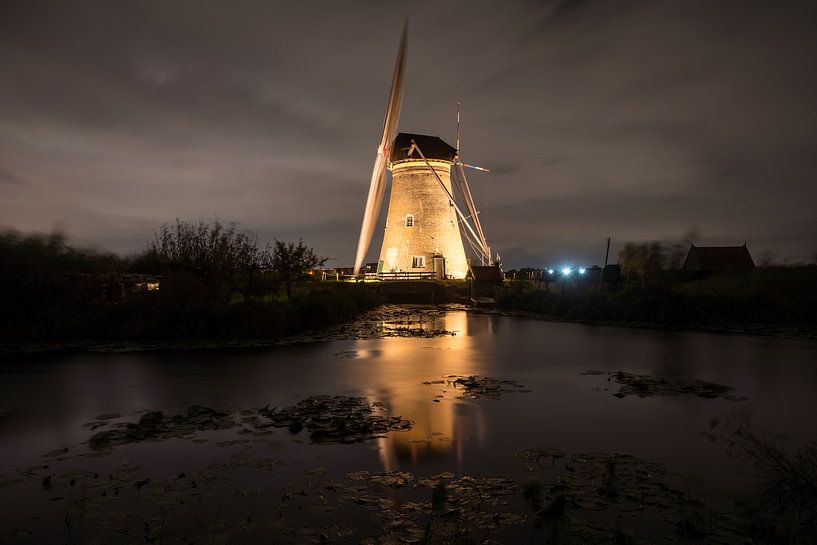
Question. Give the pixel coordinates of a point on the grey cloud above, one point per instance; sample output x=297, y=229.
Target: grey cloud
x=633, y=119
x=9, y=178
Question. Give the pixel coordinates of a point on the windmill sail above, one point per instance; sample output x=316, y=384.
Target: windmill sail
x=465, y=191
x=378, y=184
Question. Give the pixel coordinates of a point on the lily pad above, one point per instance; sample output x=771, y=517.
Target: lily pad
x=154, y=425
x=336, y=419
x=480, y=387
x=647, y=386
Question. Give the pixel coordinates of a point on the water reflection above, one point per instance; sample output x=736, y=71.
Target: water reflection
x=45, y=401
x=442, y=425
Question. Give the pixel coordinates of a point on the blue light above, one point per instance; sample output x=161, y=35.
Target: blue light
x=582, y=270
x=550, y=271
x=566, y=271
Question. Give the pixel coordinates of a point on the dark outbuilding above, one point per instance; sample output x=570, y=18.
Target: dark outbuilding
x=718, y=259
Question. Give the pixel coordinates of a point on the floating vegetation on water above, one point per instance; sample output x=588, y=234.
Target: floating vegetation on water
x=10, y=480
x=417, y=332
x=599, y=481
x=588, y=498
x=154, y=425
x=597, y=495
x=336, y=419
x=436, y=509
x=328, y=419
x=395, y=321
x=535, y=459
x=648, y=386
x=479, y=387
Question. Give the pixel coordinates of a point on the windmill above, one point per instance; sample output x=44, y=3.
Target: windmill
x=424, y=223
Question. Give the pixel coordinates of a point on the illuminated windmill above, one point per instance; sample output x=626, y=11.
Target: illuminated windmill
x=424, y=222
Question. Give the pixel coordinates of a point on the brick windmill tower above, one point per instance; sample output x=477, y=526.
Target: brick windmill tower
x=424, y=224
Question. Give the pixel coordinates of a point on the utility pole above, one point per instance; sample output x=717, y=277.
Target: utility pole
x=606, y=258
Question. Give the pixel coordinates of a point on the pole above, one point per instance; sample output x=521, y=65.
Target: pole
x=458, y=126
x=606, y=258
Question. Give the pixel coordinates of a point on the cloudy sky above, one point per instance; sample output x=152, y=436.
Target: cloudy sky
x=636, y=119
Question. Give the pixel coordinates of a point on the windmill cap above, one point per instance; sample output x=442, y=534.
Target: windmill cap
x=433, y=147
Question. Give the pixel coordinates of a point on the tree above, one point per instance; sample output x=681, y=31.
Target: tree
x=43, y=269
x=219, y=258
x=675, y=252
x=641, y=261
x=293, y=262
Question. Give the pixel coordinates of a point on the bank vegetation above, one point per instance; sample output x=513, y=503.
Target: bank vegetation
x=193, y=281
x=654, y=291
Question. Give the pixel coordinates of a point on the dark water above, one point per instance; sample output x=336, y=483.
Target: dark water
x=45, y=400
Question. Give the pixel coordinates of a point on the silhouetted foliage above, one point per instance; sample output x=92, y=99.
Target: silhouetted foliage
x=675, y=251
x=216, y=259
x=781, y=297
x=293, y=262
x=216, y=283
x=642, y=261
x=41, y=275
x=786, y=509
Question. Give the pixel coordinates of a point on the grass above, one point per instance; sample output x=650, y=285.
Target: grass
x=785, y=507
x=175, y=316
x=778, y=297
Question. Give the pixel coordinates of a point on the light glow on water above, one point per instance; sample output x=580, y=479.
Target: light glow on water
x=562, y=406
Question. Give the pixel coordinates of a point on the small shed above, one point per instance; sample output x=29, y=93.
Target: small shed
x=611, y=277
x=718, y=259
x=483, y=280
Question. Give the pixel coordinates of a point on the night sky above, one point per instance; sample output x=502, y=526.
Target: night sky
x=638, y=120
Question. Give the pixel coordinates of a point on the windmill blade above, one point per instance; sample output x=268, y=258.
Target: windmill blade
x=377, y=188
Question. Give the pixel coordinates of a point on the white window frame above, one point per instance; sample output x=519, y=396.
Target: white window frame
x=409, y=220
x=418, y=259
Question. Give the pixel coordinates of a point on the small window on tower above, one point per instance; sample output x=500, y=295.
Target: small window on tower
x=410, y=220
x=418, y=262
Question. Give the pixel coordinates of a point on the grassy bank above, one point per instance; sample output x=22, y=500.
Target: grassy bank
x=162, y=316
x=195, y=281
x=774, y=299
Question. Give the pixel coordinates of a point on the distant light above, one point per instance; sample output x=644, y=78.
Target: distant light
x=566, y=271
x=582, y=270
x=551, y=271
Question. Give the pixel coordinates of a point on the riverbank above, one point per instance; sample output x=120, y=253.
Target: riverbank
x=782, y=331
x=716, y=306
x=381, y=321
x=156, y=323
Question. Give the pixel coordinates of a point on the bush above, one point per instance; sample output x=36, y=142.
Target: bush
x=765, y=297
x=50, y=291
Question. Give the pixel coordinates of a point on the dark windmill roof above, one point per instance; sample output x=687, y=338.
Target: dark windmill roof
x=433, y=147
x=719, y=258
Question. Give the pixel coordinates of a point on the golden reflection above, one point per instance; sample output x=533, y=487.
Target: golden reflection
x=441, y=427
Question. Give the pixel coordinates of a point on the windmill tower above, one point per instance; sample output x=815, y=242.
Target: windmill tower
x=421, y=224
x=424, y=222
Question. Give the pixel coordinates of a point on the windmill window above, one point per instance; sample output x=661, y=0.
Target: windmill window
x=418, y=262
x=410, y=220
